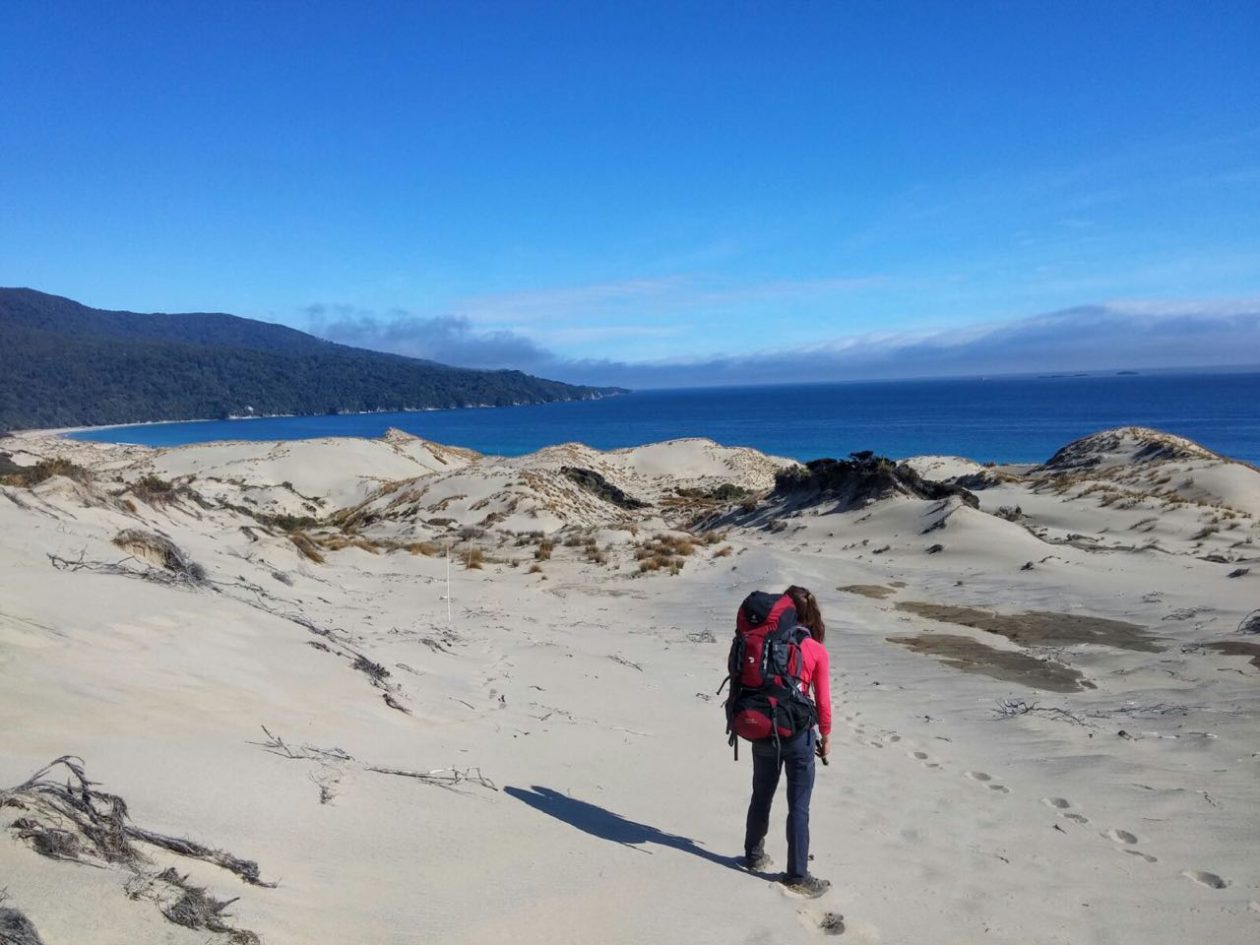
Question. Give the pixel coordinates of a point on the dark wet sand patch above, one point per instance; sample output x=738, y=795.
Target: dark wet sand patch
x=1237, y=648
x=1041, y=627
x=972, y=656
x=877, y=591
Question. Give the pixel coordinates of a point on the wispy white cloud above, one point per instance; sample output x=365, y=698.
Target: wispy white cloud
x=1088, y=338
x=565, y=302
x=1130, y=333
x=665, y=296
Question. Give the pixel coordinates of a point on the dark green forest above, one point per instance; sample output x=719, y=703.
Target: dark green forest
x=64, y=364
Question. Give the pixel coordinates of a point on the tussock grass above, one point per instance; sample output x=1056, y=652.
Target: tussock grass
x=427, y=548
x=45, y=469
x=162, y=552
x=338, y=542
x=306, y=546
x=154, y=490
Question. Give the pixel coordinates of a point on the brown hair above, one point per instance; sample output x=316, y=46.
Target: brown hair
x=807, y=612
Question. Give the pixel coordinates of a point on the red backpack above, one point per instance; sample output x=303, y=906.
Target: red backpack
x=766, y=701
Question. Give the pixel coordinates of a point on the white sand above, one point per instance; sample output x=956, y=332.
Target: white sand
x=585, y=693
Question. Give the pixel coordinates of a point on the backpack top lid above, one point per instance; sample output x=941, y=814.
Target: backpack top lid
x=765, y=613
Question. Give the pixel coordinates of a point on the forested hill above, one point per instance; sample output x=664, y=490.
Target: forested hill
x=64, y=364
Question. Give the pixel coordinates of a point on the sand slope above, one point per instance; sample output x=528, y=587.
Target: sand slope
x=575, y=782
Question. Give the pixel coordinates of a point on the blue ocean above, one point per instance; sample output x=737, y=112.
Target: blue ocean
x=999, y=419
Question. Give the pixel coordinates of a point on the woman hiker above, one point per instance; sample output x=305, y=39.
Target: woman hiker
x=796, y=756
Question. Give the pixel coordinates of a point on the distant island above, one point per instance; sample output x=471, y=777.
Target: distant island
x=64, y=364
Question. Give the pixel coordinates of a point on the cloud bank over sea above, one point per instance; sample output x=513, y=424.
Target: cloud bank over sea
x=1110, y=336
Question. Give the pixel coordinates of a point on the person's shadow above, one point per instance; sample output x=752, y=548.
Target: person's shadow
x=609, y=826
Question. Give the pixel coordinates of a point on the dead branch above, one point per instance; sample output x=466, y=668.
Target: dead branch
x=1013, y=708
x=75, y=820
x=442, y=777
x=184, y=579
x=1152, y=710
x=278, y=746
x=16, y=929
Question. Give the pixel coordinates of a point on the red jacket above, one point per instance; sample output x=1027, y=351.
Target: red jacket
x=816, y=674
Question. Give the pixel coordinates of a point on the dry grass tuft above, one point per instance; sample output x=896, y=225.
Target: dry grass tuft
x=427, y=548
x=306, y=546
x=155, y=491
x=666, y=552
x=28, y=476
x=338, y=542
x=161, y=552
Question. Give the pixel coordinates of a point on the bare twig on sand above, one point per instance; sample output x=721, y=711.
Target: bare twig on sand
x=333, y=761
x=278, y=746
x=442, y=777
x=1149, y=710
x=1012, y=708
x=76, y=821
x=125, y=568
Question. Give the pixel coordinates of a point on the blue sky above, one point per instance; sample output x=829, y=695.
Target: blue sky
x=640, y=189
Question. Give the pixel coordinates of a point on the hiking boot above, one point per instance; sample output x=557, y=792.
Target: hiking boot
x=808, y=886
x=757, y=861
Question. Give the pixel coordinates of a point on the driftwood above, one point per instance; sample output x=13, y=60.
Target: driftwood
x=124, y=568
x=75, y=820
x=1013, y=708
x=442, y=777
x=16, y=929
x=333, y=760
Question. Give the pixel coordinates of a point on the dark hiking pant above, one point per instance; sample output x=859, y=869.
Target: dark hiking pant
x=797, y=759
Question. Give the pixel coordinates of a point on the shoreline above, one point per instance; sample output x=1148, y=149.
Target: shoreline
x=65, y=431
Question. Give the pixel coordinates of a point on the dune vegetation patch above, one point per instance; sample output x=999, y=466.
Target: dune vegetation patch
x=1237, y=648
x=14, y=475
x=306, y=546
x=876, y=591
x=972, y=656
x=1041, y=627
x=160, y=551
x=596, y=484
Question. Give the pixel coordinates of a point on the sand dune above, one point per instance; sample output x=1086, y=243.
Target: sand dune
x=1046, y=694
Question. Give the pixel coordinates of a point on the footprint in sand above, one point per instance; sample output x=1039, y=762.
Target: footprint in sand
x=1077, y=818
x=1120, y=836
x=924, y=757
x=1060, y=803
x=987, y=780
x=1204, y=878
x=1145, y=856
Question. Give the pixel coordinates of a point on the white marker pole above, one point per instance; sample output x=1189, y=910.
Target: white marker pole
x=448, y=583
